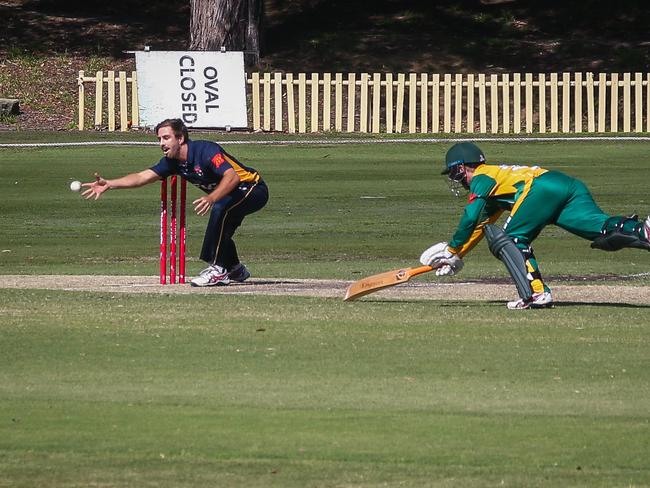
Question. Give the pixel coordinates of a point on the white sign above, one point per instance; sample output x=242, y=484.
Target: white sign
x=204, y=89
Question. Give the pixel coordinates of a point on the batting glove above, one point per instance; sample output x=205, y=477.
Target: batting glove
x=432, y=255
x=452, y=267
x=440, y=257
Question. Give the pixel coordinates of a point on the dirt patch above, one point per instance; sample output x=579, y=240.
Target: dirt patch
x=602, y=294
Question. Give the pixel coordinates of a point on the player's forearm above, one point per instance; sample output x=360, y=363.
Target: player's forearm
x=228, y=183
x=468, y=222
x=133, y=180
x=477, y=234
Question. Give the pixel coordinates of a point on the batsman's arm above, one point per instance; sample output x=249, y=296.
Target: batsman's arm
x=475, y=237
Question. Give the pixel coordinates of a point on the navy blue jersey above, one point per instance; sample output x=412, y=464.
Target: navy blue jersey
x=205, y=166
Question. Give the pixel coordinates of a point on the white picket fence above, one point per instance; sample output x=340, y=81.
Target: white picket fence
x=114, y=98
x=409, y=103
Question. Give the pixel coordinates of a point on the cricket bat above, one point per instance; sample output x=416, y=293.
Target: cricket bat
x=380, y=281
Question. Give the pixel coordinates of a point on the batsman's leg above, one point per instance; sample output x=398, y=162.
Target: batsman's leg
x=538, y=206
x=620, y=232
x=504, y=249
x=582, y=216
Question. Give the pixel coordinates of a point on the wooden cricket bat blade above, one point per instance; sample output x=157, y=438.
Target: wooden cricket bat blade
x=380, y=281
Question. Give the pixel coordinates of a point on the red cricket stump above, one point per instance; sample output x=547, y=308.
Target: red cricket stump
x=163, y=232
x=172, y=230
x=177, y=223
x=182, y=234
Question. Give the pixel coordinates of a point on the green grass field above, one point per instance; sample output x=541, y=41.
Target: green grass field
x=134, y=390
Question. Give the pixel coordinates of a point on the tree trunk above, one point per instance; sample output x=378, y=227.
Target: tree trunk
x=230, y=24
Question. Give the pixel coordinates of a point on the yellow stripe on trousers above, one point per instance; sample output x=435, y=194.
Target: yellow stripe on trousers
x=223, y=222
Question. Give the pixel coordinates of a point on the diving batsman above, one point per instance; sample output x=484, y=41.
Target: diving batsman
x=534, y=198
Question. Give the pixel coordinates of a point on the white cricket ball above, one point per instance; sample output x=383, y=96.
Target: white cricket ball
x=75, y=185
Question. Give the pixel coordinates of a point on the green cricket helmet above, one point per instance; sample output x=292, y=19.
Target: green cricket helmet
x=463, y=153
x=458, y=157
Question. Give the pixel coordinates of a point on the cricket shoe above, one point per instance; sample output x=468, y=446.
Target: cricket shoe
x=212, y=276
x=239, y=273
x=538, y=300
x=646, y=228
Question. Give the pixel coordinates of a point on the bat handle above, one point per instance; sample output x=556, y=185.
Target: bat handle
x=421, y=269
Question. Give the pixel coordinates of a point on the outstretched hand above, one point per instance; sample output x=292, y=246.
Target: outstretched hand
x=203, y=205
x=96, y=188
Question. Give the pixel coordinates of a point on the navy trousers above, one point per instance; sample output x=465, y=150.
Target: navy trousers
x=225, y=217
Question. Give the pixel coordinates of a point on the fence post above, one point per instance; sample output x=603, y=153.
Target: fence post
x=277, y=100
x=602, y=102
x=338, y=102
x=363, y=103
x=266, y=90
x=458, y=105
x=577, y=104
x=135, y=102
x=111, y=101
x=302, y=103
x=638, y=102
x=389, y=102
x=447, y=104
x=613, y=123
x=470, y=103
x=399, y=106
x=352, y=90
x=124, y=116
x=424, y=103
x=626, y=102
x=482, y=112
x=82, y=100
x=554, y=102
x=376, y=102
x=255, y=92
x=529, y=102
x=516, y=103
x=591, y=112
x=327, y=101
x=291, y=109
x=314, y=102
x=542, y=103
x=413, y=100
x=505, y=90
x=99, y=98
x=647, y=103
x=494, y=104
x=435, y=103
x=566, y=102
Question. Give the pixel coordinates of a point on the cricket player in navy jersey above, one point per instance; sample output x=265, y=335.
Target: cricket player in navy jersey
x=232, y=191
x=534, y=197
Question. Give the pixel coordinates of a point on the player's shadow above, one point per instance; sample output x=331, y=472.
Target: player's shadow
x=569, y=303
x=258, y=282
x=600, y=304
x=500, y=303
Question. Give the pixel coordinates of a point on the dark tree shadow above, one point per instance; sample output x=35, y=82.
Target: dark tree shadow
x=94, y=28
x=456, y=36
x=361, y=35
